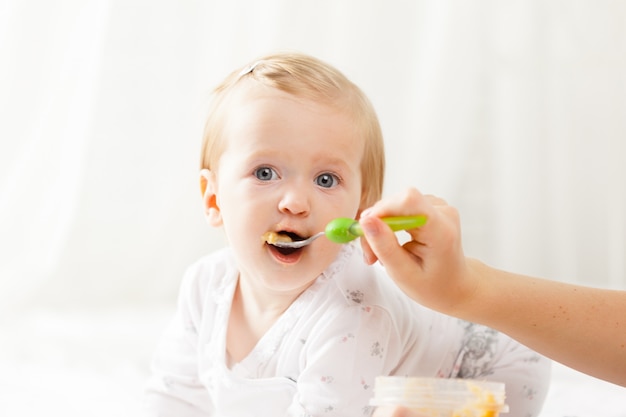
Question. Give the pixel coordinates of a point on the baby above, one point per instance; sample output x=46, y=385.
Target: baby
x=290, y=144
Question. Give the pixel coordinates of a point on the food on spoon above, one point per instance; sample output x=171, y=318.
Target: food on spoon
x=272, y=238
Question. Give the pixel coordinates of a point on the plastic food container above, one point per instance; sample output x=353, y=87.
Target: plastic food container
x=439, y=397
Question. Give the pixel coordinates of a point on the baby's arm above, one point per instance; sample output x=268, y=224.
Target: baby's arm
x=581, y=327
x=472, y=351
x=174, y=388
x=342, y=358
x=526, y=373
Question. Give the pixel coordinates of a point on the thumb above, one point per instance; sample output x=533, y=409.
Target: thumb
x=384, y=245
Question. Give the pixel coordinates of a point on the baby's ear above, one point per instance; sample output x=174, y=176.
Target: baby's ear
x=208, y=188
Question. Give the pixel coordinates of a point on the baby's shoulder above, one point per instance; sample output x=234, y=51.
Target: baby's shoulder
x=369, y=288
x=211, y=272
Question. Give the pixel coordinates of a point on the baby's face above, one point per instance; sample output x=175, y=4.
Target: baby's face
x=290, y=165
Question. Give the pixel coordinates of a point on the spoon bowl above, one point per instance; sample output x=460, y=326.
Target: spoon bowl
x=297, y=244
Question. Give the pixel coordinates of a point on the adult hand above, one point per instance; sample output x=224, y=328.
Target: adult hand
x=431, y=267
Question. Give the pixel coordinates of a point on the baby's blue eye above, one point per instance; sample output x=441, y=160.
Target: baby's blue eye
x=326, y=180
x=265, y=174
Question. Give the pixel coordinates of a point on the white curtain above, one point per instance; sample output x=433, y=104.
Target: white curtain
x=514, y=111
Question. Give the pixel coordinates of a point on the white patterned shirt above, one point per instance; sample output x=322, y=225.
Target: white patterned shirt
x=321, y=357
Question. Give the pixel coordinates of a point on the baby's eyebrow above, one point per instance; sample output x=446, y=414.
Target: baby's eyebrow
x=334, y=161
x=261, y=153
x=323, y=160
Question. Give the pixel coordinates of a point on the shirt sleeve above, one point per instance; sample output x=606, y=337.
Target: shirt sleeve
x=342, y=361
x=487, y=354
x=174, y=388
x=461, y=349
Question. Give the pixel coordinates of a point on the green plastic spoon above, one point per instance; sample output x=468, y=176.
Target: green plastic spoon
x=344, y=230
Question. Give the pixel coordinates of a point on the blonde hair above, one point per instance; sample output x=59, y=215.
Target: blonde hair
x=308, y=77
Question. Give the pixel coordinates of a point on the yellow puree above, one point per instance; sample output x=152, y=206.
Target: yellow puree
x=485, y=404
x=273, y=237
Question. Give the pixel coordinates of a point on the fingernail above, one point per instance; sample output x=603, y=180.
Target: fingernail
x=368, y=228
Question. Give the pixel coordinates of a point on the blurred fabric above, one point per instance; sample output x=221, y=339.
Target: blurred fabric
x=513, y=111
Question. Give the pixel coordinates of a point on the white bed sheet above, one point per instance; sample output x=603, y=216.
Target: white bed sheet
x=95, y=364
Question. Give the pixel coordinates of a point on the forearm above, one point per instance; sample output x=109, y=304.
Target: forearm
x=582, y=327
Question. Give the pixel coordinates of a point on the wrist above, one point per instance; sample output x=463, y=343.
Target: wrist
x=471, y=302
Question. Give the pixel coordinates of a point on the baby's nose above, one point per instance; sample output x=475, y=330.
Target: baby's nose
x=295, y=200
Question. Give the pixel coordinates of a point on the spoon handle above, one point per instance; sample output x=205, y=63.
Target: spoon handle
x=343, y=230
x=396, y=223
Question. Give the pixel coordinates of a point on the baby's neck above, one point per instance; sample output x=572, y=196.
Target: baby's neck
x=252, y=314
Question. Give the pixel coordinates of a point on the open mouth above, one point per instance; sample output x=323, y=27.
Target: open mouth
x=271, y=238
x=294, y=237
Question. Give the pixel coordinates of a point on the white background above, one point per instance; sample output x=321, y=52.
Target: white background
x=513, y=111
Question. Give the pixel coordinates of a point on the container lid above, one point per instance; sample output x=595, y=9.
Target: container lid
x=439, y=394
